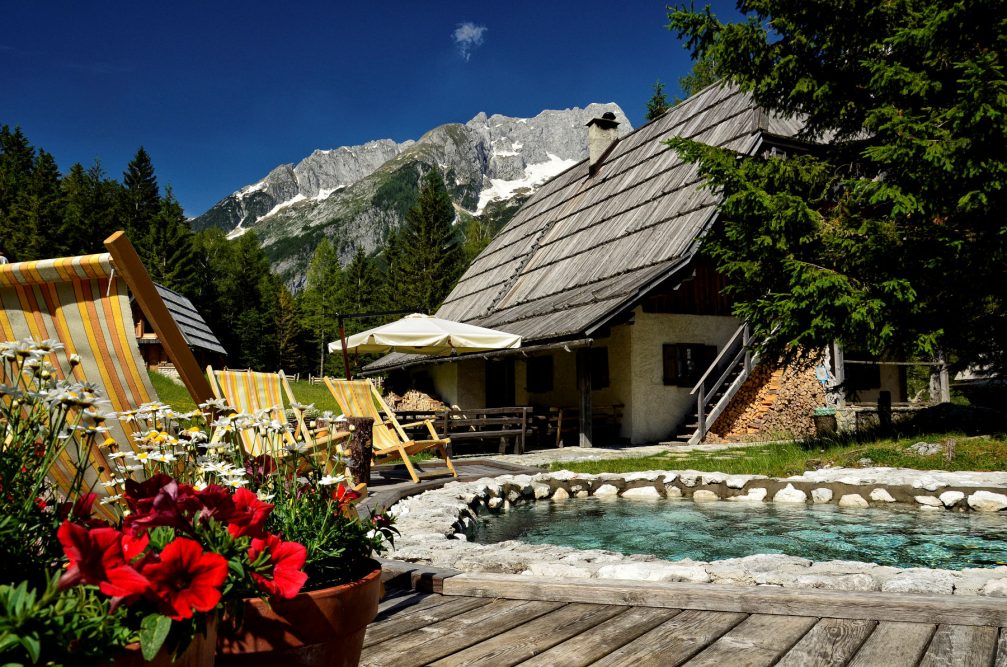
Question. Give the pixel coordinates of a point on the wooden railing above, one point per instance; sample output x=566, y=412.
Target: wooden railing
x=734, y=359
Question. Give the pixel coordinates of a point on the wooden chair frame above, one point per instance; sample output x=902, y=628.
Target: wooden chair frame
x=385, y=421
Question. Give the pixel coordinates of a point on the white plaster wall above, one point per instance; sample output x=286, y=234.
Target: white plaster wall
x=471, y=383
x=445, y=379
x=889, y=382
x=656, y=410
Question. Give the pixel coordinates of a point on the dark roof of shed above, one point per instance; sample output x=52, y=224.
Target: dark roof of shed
x=194, y=328
x=585, y=246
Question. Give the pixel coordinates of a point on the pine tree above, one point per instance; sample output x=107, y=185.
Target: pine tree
x=172, y=257
x=890, y=234
x=89, y=201
x=36, y=213
x=291, y=338
x=425, y=257
x=141, y=202
x=17, y=160
x=657, y=105
x=320, y=298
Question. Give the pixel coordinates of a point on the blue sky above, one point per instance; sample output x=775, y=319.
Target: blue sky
x=220, y=92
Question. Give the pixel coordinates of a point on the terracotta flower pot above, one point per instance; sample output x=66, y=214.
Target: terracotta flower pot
x=324, y=627
x=201, y=652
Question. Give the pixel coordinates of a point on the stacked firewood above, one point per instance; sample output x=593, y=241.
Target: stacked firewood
x=414, y=401
x=773, y=402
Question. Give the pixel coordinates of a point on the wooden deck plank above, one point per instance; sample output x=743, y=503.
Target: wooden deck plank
x=586, y=648
x=950, y=609
x=674, y=641
x=894, y=645
x=831, y=643
x=1001, y=656
x=388, y=626
x=961, y=646
x=408, y=600
x=758, y=640
x=432, y=642
x=525, y=641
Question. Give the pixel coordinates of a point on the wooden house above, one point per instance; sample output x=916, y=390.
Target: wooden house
x=198, y=335
x=598, y=272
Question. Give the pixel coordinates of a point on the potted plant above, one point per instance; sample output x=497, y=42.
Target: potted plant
x=299, y=498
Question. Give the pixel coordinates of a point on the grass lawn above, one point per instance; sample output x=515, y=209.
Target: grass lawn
x=177, y=396
x=793, y=458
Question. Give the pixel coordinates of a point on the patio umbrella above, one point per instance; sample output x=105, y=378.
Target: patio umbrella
x=424, y=334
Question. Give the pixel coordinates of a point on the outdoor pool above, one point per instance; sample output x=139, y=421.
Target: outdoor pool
x=677, y=529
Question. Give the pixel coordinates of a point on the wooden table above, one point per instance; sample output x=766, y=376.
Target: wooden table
x=518, y=620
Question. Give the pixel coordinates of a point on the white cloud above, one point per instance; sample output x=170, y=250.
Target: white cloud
x=468, y=36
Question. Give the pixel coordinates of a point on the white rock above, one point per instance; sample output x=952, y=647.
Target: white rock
x=541, y=490
x=995, y=588
x=790, y=495
x=606, y=490
x=539, y=569
x=739, y=481
x=646, y=476
x=562, y=475
x=495, y=503
x=853, y=500
x=754, y=495
x=690, y=478
x=882, y=496
x=714, y=478
x=654, y=571
x=928, y=483
x=986, y=501
x=704, y=496
x=821, y=495
x=921, y=580
x=642, y=493
x=672, y=491
x=929, y=501
x=560, y=494
x=582, y=493
x=841, y=582
x=949, y=498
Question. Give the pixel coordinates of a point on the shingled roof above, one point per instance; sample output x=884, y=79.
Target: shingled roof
x=194, y=328
x=586, y=246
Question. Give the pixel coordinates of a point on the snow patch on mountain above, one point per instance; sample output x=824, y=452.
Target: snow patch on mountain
x=534, y=175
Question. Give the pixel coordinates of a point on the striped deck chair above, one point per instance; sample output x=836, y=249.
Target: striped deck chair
x=83, y=302
x=250, y=391
x=359, y=398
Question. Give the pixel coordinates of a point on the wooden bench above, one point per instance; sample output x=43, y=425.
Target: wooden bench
x=467, y=424
x=562, y=425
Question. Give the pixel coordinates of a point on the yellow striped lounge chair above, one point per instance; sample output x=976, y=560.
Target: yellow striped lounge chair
x=84, y=303
x=359, y=398
x=250, y=391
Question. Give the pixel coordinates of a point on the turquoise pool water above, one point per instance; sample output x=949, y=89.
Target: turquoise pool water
x=677, y=529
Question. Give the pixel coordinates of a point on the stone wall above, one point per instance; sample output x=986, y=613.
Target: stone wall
x=773, y=402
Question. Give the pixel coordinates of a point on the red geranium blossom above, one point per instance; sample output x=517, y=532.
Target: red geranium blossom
x=217, y=504
x=287, y=559
x=96, y=557
x=344, y=496
x=250, y=514
x=186, y=578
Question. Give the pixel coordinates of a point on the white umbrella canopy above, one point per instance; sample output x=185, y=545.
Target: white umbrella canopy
x=424, y=334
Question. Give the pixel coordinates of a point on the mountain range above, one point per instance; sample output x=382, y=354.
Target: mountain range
x=355, y=194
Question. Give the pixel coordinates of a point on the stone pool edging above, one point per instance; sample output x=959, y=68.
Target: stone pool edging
x=435, y=526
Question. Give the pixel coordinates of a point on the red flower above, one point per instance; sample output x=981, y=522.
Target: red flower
x=344, y=497
x=186, y=578
x=286, y=559
x=96, y=557
x=217, y=504
x=250, y=514
x=170, y=505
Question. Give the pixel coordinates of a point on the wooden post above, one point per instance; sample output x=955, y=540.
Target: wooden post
x=885, y=411
x=584, y=385
x=524, y=430
x=127, y=263
x=701, y=413
x=746, y=339
x=945, y=384
x=346, y=354
x=361, y=445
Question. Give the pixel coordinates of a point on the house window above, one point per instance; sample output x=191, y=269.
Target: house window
x=539, y=374
x=599, y=368
x=685, y=363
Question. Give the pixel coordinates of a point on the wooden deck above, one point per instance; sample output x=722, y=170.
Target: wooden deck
x=390, y=483
x=505, y=620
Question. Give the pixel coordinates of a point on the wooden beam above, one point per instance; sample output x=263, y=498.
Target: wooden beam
x=128, y=265
x=584, y=386
x=915, y=608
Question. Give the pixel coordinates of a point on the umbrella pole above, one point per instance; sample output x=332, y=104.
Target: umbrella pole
x=346, y=354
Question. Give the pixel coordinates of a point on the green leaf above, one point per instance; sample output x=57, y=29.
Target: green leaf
x=153, y=631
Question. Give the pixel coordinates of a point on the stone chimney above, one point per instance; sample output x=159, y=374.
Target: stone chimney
x=602, y=134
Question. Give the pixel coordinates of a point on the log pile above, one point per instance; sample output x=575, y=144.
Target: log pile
x=773, y=403
x=414, y=401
